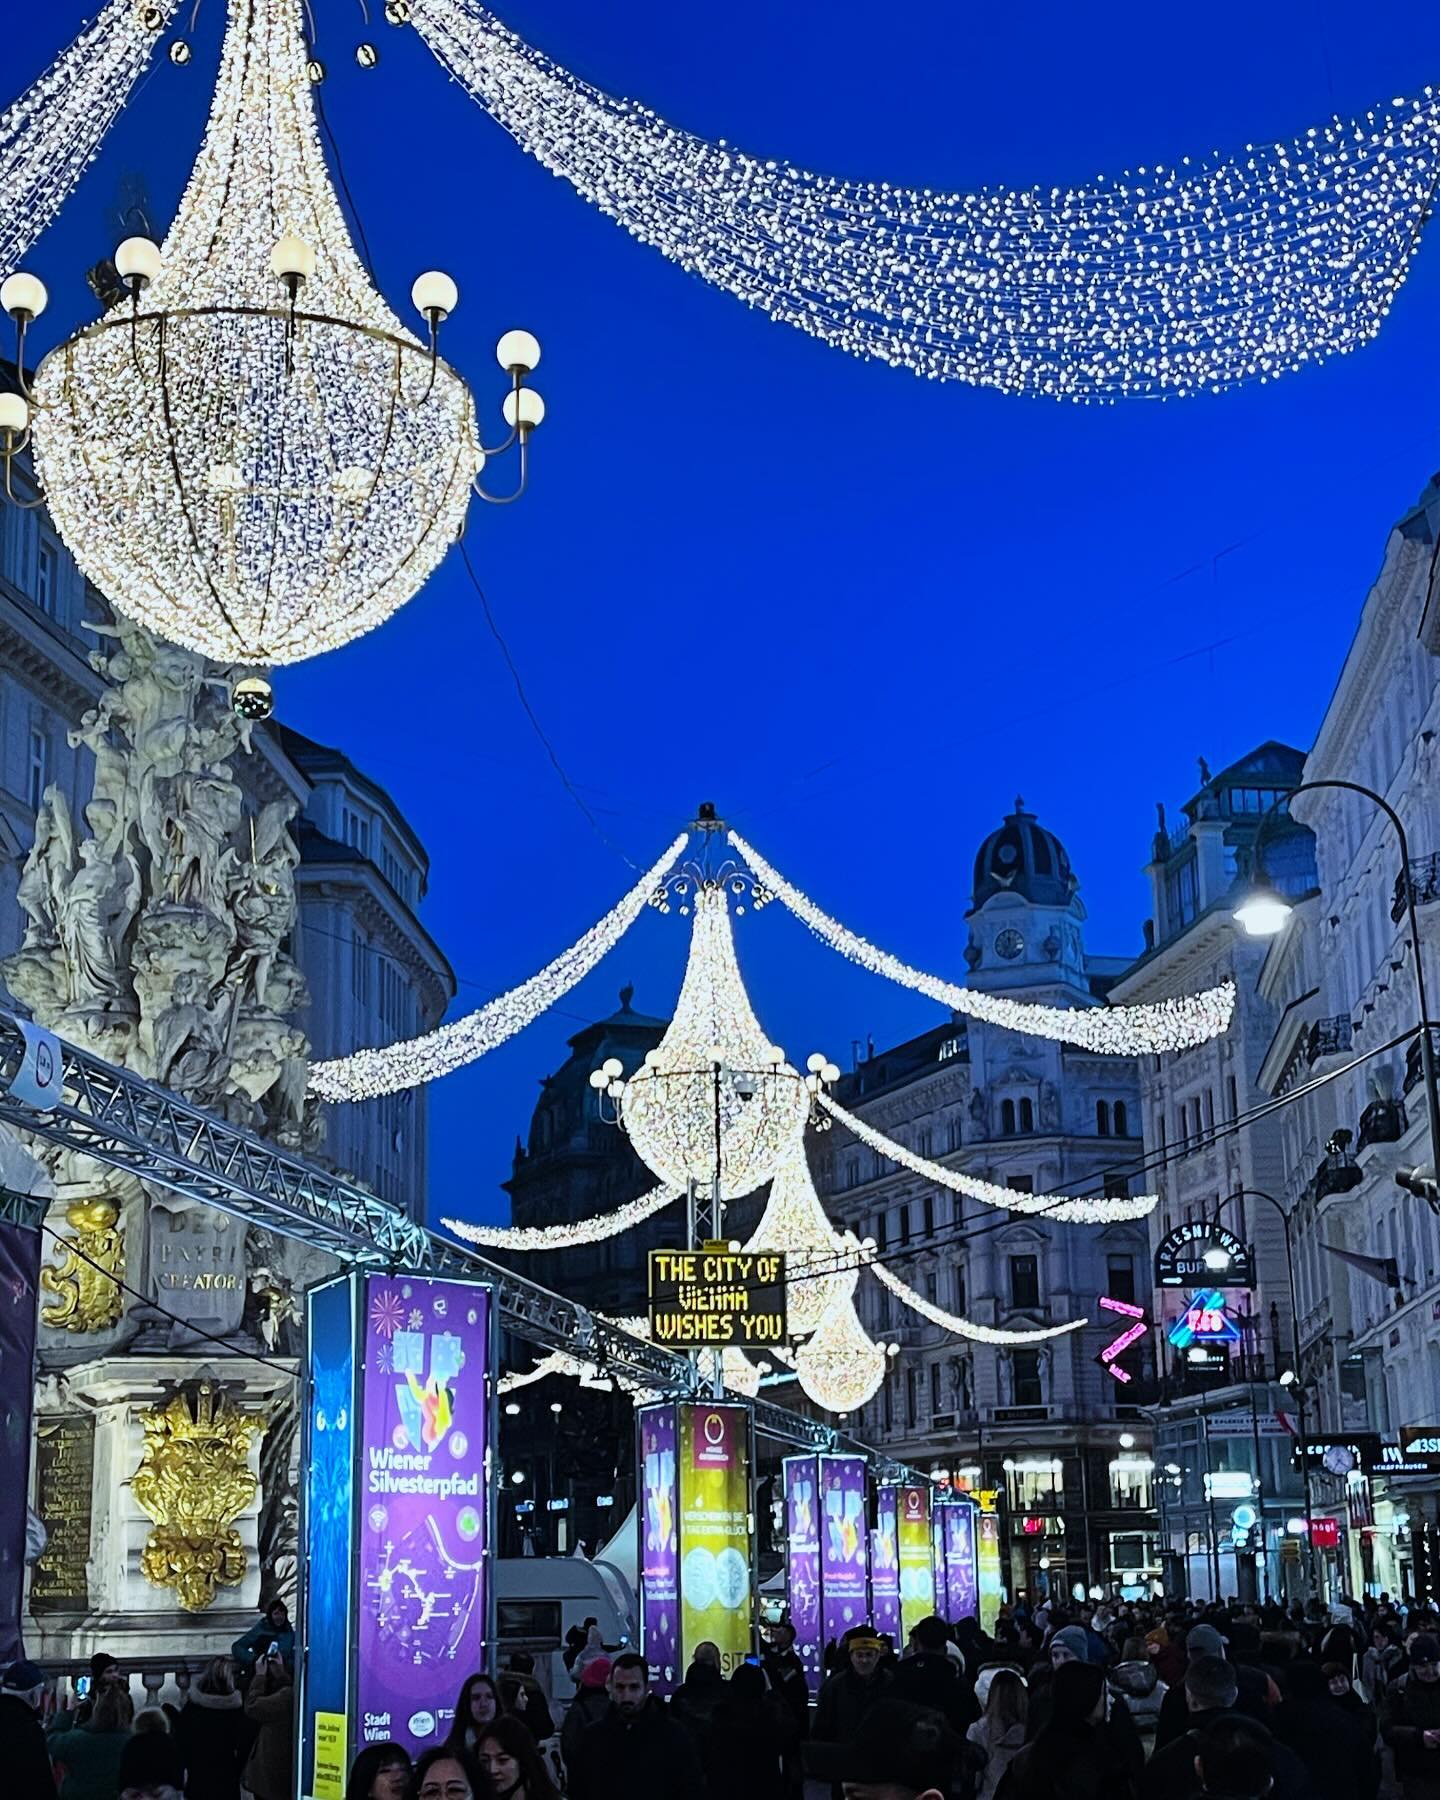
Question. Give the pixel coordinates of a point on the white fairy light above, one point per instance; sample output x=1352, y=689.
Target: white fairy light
x=1066, y=1208
x=668, y=1106
x=841, y=1366
x=1149, y=1030
x=966, y=1328
x=795, y=1222
x=1169, y=280
x=132, y=417
x=593, y=1230
x=52, y=133
x=389, y=1069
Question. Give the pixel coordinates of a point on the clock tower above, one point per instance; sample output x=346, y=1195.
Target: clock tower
x=1026, y=917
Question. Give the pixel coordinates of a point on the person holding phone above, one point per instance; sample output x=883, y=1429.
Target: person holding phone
x=272, y=1627
x=270, y=1703
x=1410, y=1721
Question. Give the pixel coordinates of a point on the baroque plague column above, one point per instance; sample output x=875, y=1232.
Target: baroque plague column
x=165, y=1466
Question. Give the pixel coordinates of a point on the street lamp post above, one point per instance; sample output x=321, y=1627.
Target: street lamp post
x=1264, y=911
x=1299, y=1382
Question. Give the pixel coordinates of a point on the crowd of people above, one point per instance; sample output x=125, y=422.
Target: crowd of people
x=1143, y=1701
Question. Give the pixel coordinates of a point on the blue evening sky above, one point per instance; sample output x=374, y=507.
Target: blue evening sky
x=859, y=611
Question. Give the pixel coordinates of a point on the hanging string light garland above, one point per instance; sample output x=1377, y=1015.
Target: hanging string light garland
x=52, y=133
x=387, y=1070
x=593, y=1230
x=1170, y=280
x=966, y=1328
x=1102, y=1210
x=1150, y=1030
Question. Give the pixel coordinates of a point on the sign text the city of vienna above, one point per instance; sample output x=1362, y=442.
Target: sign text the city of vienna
x=717, y=1296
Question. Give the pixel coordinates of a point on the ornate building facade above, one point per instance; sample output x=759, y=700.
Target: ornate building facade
x=1064, y=1444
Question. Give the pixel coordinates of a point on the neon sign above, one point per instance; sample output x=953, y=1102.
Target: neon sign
x=1135, y=1329
x=1204, y=1321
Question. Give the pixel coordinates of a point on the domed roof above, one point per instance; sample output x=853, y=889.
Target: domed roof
x=1023, y=858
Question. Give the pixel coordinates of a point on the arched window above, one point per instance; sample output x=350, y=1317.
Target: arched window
x=1102, y=1117
x=1122, y=1124
x=1027, y=1114
x=1007, y=1117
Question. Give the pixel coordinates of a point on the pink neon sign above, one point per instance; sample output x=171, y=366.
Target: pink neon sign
x=1136, y=1329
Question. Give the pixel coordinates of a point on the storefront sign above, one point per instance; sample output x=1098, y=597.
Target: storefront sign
x=1421, y=1444
x=715, y=1547
x=717, y=1296
x=917, y=1567
x=1204, y=1321
x=659, y=1547
x=843, y=1544
x=802, y=1564
x=1339, y=1455
x=1203, y=1252
x=1325, y=1534
x=1134, y=1327
x=885, y=1563
x=1245, y=1424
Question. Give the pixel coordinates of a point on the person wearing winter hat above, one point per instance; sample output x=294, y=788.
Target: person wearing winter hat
x=1410, y=1720
x=590, y=1705
x=151, y=1765
x=23, y=1755
x=1076, y=1753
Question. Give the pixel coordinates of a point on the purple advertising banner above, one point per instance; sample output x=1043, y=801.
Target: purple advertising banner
x=802, y=1563
x=962, y=1597
x=659, y=1549
x=422, y=1504
x=19, y=1274
x=843, y=1544
x=885, y=1564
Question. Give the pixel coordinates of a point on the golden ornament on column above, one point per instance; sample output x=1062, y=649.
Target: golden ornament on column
x=86, y=1279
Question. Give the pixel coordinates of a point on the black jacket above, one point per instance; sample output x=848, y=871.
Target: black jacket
x=1336, y=1749
x=23, y=1755
x=933, y=1680
x=785, y=1674
x=845, y=1700
x=694, y=1702
x=1410, y=1709
x=649, y=1758
x=214, y=1737
x=1170, y=1773
x=748, y=1743
x=1175, y=1717
x=1070, y=1763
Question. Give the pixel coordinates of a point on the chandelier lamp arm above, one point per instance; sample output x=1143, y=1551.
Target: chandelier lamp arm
x=517, y=381
x=481, y=493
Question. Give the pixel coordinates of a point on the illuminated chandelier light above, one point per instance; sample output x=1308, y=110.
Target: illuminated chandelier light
x=840, y=1366
x=668, y=1106
x=1168, y=280
x=254, y=456
x=368, y=1073
x=592, y=1230
x=1149, y=1030
x=1102, y=1210
x=53, y=132
x=966, y=1328
x=817, y=1276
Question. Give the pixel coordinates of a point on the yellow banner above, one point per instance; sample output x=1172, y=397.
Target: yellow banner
x=329, y=1756
x=917, y=1563
x=715, y=1601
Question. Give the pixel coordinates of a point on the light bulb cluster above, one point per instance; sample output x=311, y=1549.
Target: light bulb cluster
x=1177, y=279
x=593, y=1230
x=966, y=1328
x=1065, y=1208
x=713, y=1055
x=393, y=1067
x=51, y=134
x=1149, y=1030
x=840, y=1366
x=254, y=452
x=821, y=1266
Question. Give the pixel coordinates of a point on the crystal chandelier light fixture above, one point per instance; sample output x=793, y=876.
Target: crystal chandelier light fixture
x=253, y=456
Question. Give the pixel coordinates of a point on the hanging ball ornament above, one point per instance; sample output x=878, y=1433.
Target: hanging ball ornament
x=397, y=12
x=151, y=18
x=366, y=55
x=179, y=53
x=254, y=698
x=315, y=69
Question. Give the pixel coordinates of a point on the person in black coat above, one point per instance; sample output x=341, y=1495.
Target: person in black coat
x=750, y=1737
x=694, y=1702
x=23, y=1755
x=213, y=1734
x=785, y=1673
x=1337, y=1750
x=1211, y=1691
x=636, y=1751
x=1076, y=1756
x=929, y=1676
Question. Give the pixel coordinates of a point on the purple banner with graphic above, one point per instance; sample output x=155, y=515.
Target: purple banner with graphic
x=802, y=1563
x=422, y=1504
x=962, y=1599
x=843, y=1544
x=885, y=1564
x=19, y=1274
x=659, y=1550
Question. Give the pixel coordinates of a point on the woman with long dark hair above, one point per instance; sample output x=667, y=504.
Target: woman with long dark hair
x=508, y=1755
x=477, y=1708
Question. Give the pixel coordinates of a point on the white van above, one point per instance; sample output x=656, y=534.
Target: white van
x=539, y=1598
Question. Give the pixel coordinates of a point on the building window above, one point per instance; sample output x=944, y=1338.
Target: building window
x=904, y=1224
x=1025, y=1378
x=47, y=578
x=1007, y=1118
x=1036, y=1485
x=882, y=1231
x=888, y=1404
x=960, y=1305
x=955, y=1136
x=936, y=1403
x=1132, y=1482
x=360, y=970
x=37, y=767
x=1117, y=1187
x=1234, y=1102
x=1102, y=1118
x=1027, y=1114
x=1020, y=1184
x=923, y=1141
x=357, y=831
x=1024, y=1283
x=1122, y=1122
x=1120, y=1279
x=1181, y=895
x=928, y=1207
x=395, y=872
x=912, y=1397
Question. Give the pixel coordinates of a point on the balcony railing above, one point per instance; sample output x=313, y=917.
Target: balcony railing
x=1414, y=1065
x=1425, y=881
x=1382, y=1122
x=1328, y=1037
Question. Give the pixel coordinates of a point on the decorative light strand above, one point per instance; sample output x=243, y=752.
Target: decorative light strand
x=368, y=1073
x=1150, y=1030
x=794, y=1221
x=53, y=132
x=841, y=1366
x=966, y=1328
x=593, y=1230
x=1065, y=1208
x=1169, y=280
x=668, y=1104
